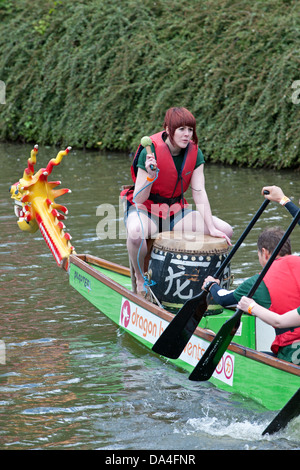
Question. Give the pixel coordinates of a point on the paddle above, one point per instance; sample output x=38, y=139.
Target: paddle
x=210, y=359
x=174, y=338
x=288, y=412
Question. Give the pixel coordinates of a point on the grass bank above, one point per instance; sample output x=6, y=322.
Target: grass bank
x=100, y=74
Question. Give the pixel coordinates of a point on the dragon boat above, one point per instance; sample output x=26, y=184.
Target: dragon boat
x=246, y=367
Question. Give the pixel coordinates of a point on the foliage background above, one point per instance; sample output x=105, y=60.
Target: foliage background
x=101, y=74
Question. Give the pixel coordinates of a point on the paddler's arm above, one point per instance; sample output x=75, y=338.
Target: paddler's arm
x=286, y=320
x=202, y=203
x=277, y=195
x=221, y=296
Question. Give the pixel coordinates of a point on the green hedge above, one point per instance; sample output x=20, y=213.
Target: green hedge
x=100, y=73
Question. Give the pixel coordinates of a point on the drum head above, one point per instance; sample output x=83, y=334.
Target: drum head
x=190, y=242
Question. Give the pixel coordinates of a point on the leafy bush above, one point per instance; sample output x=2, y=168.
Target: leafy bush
x=101, y=74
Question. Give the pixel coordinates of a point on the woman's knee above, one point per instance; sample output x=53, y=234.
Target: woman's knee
x=192, y=222
x=134, y=231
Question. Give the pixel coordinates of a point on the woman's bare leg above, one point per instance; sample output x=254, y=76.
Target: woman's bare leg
x=139, y=228
x=193, y=222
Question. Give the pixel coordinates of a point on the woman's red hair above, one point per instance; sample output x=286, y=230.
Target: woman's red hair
x=178, y=117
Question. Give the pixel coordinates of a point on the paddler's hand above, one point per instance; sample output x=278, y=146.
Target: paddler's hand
x=275, y=193
x=245, y=303
x=209, y=279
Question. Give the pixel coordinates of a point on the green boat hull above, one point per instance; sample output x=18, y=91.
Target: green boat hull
x=243, y=370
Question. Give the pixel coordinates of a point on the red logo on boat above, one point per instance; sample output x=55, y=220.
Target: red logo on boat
x=125, y=313
x=225, y=366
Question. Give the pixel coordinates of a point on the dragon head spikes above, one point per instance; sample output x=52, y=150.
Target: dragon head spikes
x=36, y=208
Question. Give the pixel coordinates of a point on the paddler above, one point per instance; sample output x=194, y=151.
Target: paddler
x=290, y=319
x=279, y=291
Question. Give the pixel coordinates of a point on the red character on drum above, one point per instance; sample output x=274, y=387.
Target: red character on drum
x=161, y=175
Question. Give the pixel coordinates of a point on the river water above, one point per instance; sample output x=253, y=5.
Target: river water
x=71, y=379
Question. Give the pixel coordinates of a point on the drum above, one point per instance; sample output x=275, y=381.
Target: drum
x=179, y=264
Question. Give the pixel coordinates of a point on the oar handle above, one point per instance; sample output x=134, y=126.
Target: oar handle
x=242, y=237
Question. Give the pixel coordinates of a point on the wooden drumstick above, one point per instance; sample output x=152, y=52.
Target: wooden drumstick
x=146, y=143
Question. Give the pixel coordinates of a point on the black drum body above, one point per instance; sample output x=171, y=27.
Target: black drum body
x=179, y=264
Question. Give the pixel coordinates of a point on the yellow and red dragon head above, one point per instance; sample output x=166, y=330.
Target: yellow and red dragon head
x=35, y=208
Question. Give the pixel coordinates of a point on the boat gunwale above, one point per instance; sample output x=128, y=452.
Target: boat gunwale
x=83, y=260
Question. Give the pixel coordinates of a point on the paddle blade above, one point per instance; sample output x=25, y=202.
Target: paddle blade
x=212, y=356
x=290, y=411
x=173, y=340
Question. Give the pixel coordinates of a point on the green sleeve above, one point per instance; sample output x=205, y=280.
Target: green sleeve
x=261, y=295
x=298, y=310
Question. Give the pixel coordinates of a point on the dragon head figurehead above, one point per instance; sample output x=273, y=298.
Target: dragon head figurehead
x=35, y=206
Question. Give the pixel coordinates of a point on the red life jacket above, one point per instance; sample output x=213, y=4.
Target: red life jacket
x=167, y=190
x=283, y=283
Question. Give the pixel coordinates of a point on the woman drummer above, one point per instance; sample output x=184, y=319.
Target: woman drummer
x=156, y=202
